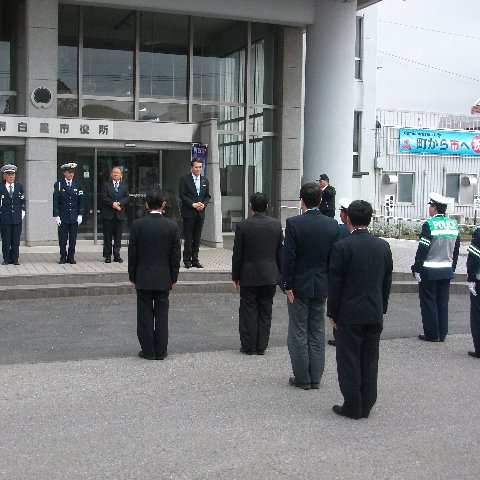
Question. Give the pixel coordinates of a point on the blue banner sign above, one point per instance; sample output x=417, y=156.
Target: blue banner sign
x=199, y=153
x=441, y=142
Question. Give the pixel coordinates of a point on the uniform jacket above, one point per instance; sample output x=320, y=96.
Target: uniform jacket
x=437, y=252
x=309, y=239
x=154, y=252
x=473, y=258
x=11, y=207
x=257, y=251
x=109, y=195
x=360, y=278
x=188, y=195
x=327, y=204
x=67, y=203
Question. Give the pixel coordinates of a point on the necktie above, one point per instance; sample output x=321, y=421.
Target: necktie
x=69, y=184
x=197, y=184
x=11, y=190
x=116, y=186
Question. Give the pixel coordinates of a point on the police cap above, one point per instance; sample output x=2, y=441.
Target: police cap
x=9, y=168
x=437, y=199
x=344, y=203
x=69, y=166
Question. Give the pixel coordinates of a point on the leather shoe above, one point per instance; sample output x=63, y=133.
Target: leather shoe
x=247, y=352
x=425, y=339
x=118, y=260
x=62, y=261
x=340, y=411
x=260, y=352
x=188, y=264
x=16, y=262
x=474, y=354
x=304, y=386
x=108, y=260
x=162, y=357
x=333, y=343
x=72, y=262
x=146, y=357
x=5, y=263
x=315, y=386
x=197, y=265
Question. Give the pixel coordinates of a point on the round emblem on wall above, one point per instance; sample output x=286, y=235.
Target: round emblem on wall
x=41, y=97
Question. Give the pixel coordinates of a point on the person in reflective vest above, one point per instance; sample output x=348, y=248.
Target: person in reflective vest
x=435, y=263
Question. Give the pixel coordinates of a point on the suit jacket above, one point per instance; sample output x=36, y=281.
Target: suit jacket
x=154, y=252
x=11, y=207
x=360, y=278
x=327, y=204
x=188, y=195
x=257, y=251
x=109, y=195
x=309, y=239
x=67, y=203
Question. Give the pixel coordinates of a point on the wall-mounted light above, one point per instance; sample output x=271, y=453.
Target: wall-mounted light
x=130, y=145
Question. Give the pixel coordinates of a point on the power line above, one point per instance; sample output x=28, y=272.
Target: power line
x=409, y=60
x=473, y=37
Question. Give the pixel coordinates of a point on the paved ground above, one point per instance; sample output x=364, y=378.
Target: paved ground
x=76, y=403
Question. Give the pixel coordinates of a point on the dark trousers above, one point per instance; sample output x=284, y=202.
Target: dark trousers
x=67, y=232
x=433, y=296
x=192, y=231
x=112, y=229
x=475, y=317
x=357, y=366
x=11, y=241
x=152, y=321
x=255, y=316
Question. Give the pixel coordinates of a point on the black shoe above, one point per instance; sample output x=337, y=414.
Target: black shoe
x=72, y=262
x=425, y=339
x=162, y=357
x=304, y=386
x=197, y=264
x=260, y=352
x=62, y=261
x=188, y=264
x=118, y=260
x=5, y=263
x=339, y=411
x=315, y=386
x=247, y=352
x=333, y=343
x=474, y=354
x=16, y=262
x=108, y=260
x=146, y=357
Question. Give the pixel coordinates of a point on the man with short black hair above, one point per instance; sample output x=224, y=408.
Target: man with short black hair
x=360, y=278
x=256, y=263
x=435, y=263
x=153, y=265
x=327, y=203
x=309, y=239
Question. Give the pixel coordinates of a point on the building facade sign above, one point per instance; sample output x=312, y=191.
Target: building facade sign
x=73, y=128
x=441, y=142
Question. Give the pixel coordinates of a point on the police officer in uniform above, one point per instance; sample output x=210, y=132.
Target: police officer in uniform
x=473, y=274
x=327, y=203
x=12, y=212
x=68, y=211
x=435, y=263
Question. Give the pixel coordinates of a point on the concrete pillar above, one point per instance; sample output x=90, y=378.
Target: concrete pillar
x=41, y=60
x=329, y=94
x=212, y=228
x=289, y=161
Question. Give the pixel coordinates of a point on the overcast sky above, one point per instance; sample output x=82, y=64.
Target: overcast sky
x=428, y=55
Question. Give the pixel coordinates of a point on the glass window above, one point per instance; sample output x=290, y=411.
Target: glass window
x=358, y=48
x=405, y=188
x=260, y=169
x=107, y=109
x=262, y=69
x=162, y=112
x=68, y=18
x=108, y=52
x=8, y=49
x=262, y=119
x=67, y=107
x=7, y=104
x=357, y=130
x=229, y=118
x=452, y=189
x=218, y=60
x=163, y=55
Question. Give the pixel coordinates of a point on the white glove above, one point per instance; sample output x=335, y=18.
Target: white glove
x=471, y=287
x=417, y=277
x=79, y=219
x=23, y=214
x=57, y=219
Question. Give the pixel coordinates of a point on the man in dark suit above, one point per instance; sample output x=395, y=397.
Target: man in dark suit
x=153, y=265
x=309, y=239
x=12, y=212
x=194, y=196
x=256, y=263
x=327, y=204
x=68, y=212
x=114, y=200
x=359, y=284
x=473, y=273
